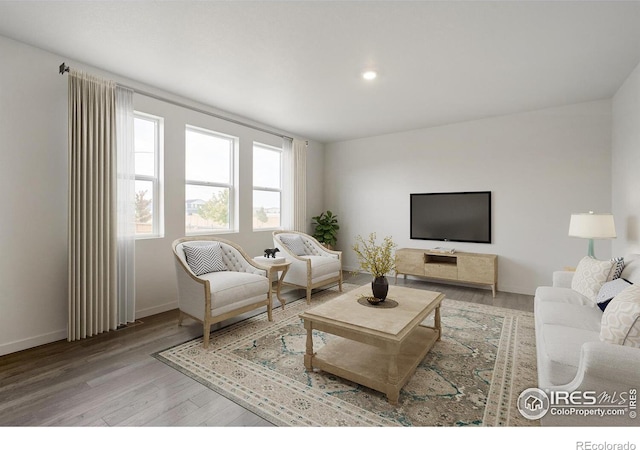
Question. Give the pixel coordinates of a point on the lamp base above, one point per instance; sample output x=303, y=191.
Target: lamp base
x=590, y=251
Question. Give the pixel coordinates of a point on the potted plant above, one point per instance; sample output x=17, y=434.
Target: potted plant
x=378, y=260
x=326, y=231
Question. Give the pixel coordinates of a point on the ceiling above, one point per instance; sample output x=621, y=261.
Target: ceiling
x=296, y=65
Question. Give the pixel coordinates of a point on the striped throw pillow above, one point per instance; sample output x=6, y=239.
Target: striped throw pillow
x=205, y=258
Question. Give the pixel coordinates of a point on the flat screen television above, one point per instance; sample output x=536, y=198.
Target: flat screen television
x=452, y=216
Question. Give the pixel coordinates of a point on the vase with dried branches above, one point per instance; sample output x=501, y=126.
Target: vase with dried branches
x=378, y=260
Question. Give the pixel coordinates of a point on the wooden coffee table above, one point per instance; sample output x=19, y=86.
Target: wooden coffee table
x=377, y=347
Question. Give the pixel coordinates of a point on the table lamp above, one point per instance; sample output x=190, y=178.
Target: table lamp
x=592, y=226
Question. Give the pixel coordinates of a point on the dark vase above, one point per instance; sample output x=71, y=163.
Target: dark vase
x=380, y=287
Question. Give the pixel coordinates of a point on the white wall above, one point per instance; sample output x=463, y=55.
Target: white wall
x=626, y=165
x=33, y=199
x=540, y=166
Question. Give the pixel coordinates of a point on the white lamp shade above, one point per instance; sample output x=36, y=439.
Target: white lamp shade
x=592, y=226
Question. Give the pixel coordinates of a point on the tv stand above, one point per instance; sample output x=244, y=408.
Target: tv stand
x=473, y=268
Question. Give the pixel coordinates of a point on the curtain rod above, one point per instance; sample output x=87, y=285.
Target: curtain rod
x=64, y=68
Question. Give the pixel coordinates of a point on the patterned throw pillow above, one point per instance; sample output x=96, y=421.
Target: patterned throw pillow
x=621, y=319
x=205, y=258
x=294, y=243
x=609, y=290
x=618, y=267
x=590, y=275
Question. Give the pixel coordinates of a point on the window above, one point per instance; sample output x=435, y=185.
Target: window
x=209, y=190
x=147, y=145
x=267, y=186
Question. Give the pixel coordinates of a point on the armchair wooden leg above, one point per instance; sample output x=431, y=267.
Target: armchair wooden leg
x=269, y=310
x=308, y=296
x=205, y=335
x=180, y=318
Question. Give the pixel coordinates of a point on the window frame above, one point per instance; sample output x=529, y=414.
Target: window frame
x=233, y=145
x=157, y=230
x=279, y=190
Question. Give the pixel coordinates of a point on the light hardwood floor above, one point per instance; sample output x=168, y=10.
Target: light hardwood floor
x=113, y=379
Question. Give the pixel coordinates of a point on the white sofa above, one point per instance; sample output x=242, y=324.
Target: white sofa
x=220, y=284
x=571, y=356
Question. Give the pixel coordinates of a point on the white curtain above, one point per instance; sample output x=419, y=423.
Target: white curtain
x=295, y=161
x=287, y=186
x=92, y=279
x=125, y=205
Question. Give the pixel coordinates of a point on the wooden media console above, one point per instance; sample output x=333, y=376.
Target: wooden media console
x=474, y=268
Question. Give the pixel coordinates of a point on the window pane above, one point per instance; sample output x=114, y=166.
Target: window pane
x=208, y=157
x=266, y=209
x=144, y=207
x=266, y=167
x=145, y=145
x=206, y=208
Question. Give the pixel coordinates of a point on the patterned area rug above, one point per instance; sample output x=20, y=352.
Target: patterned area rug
x=473, y=376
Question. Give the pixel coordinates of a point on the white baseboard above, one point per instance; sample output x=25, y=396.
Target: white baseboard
x=47, y=338
x=156, y=309
x=31, y=342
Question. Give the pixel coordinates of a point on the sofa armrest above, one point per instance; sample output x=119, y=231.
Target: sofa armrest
x=562, y=278
x=606, y=367
x=607, y=370
x=336, y=254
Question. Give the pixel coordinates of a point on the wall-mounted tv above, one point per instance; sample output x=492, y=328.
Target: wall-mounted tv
x=451, y=216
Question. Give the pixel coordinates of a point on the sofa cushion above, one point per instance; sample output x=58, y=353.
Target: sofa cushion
x=323, y=267
x=228, y=288
x=631, y=269
x=569, y=315
x=294, y=243
x=621, y=319
x=561, y=295
x=204, y=258
x=590, y=275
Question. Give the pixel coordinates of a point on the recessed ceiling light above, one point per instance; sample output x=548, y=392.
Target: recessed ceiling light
x=369, y=75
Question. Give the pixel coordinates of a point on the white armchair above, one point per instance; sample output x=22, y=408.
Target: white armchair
x=312, y=265
x=217, y=280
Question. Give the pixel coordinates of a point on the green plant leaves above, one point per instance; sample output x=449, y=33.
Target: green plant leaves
x=326, y=227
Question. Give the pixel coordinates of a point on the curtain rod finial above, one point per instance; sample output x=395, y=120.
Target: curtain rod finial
x=63, y=68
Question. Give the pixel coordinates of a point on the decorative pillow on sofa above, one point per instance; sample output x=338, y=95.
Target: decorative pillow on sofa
x=621, y=319
x=205, y=258
x=618, y=267
x=609, y=290
x=590, y=275
x=294, y=243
